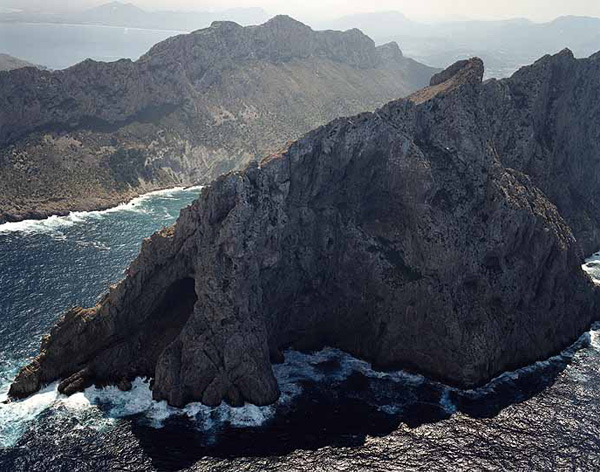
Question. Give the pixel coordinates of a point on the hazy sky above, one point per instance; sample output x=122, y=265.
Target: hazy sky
x=417, y=9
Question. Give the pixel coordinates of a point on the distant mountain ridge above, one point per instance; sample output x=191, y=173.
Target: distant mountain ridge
x=193, y=107
x=504, y=45
x=130, y=15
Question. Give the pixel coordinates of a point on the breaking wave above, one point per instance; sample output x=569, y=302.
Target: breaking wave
x=330, y=374
x=592, y=267
x=15, y=417
x=101, y=407
x=54, y=223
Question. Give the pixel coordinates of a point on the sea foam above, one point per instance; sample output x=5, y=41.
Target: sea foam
x=54, y=223
x=16, y=416
x=592, y=267
x=101, y=407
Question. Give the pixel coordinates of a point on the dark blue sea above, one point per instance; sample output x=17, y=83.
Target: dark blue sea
x=335, y=413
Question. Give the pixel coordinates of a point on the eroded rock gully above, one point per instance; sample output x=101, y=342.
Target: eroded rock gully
x=399, y=236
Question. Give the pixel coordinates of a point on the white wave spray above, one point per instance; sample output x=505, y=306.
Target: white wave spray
x=54, y=223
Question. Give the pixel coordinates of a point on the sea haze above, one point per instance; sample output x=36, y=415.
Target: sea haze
x=335, y=411
x=58, y=46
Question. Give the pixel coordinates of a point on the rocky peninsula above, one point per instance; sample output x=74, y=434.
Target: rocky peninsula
x=434, y=234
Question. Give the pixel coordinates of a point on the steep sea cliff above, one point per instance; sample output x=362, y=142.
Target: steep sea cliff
x=335, y=412
x=400, y=236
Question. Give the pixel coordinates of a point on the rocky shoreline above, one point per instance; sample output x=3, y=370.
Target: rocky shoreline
x=401, y=237
x=45, y=211
x=48, y=210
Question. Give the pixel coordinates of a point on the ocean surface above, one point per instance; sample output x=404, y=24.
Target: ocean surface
x=58, y=46
x=335, y=414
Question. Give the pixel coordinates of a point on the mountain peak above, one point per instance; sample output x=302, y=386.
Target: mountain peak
x=392, y=46
x=279, y=39
x=390, y=51
x=227, y=25
x=561, y=57
x=566, y=52
x=285, y=21
x=466, y=71
x=117, y=6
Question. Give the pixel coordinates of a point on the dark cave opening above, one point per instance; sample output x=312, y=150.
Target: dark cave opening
x=178, y=300
x=168, y=319
x=175, y=308
x=136, y=352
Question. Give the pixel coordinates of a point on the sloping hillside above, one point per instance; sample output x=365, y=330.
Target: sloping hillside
x=193, y=107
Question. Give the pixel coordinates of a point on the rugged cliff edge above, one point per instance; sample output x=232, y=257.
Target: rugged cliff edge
x=193, y=107
x=545, y=122
x=399, y=236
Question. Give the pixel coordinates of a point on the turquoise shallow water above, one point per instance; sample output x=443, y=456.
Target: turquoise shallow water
x=335, y=413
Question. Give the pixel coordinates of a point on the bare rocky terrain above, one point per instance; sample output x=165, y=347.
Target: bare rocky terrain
x=505, y=45
x=441, y=233
x=195, y=106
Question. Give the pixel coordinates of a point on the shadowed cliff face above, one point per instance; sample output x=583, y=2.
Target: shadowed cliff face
x=398, y=236
x=193, y=107
x=545, y=122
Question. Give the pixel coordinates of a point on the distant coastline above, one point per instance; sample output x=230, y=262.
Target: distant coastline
x=93, y=25
x=87, y=205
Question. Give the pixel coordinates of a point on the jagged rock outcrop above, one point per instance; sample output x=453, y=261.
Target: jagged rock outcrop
x=545, y=122
x=399, y=236
x=193, y=107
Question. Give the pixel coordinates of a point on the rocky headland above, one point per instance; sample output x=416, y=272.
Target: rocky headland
x=193, y=107
x=425, y=235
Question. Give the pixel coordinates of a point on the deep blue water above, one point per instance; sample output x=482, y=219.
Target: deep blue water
x=50, y=265
x=336, y=413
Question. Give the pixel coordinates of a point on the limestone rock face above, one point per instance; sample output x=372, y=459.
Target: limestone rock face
x=399, y=236
x=193, y=107
x=545, y=122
